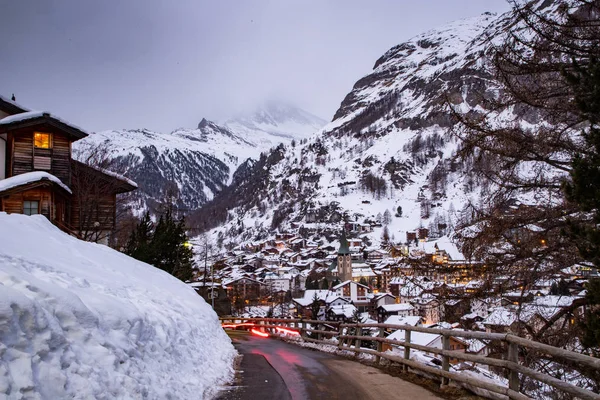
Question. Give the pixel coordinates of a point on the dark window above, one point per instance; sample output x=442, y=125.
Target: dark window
x=31, y=207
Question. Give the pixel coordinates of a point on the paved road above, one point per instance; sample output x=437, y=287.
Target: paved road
x=272, y=369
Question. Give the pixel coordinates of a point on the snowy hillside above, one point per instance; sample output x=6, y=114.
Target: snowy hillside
x=80, y=320
x=274, y=123
x=195, y=163
x=390, y=145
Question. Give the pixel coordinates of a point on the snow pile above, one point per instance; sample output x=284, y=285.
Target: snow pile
x=80, y=320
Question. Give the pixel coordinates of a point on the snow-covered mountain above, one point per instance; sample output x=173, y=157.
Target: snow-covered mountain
x=389, y=147
x=275, y=122
x=195, y=164
x=191, y=164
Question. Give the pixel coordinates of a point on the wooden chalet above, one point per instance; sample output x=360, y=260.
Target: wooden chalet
x=39, y=176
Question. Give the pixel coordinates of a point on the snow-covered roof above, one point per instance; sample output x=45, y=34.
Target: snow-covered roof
x=500, y=316
x=443, y=243
x=419, y=338
x=14, y=104
x=113, y=174
x=412, y=320
x=325, y=295
x=397, y=307
x=29, y=177
x=362, y=272
x=347, y=310
x=39, y=114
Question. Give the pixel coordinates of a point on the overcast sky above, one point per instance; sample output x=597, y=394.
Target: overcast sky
x=163, y=64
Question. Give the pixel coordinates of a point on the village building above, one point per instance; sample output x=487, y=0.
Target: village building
x=429, y=308
x=325, y=299
x=354, y=292
x=401, y=309
x=380, y=300
x=38, y=175
x=244, y=290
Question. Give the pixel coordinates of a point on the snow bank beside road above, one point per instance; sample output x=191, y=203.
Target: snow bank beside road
x=80, y=320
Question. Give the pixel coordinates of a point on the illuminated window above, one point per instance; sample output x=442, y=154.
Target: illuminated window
x=31, y=207
x=42, y=140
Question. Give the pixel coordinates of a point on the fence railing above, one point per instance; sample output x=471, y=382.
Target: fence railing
x=350, y=337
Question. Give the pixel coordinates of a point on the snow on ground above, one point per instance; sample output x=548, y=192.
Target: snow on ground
x=80, y=320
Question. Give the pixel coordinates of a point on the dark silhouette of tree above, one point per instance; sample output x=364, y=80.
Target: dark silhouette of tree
x=164, y=245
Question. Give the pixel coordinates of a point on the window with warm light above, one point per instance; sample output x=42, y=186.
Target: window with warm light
x=42, y=140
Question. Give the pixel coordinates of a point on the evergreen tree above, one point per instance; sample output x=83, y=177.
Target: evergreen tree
x=385, y=236
x=325, y=284
x=591, y=324
x=165, y=245
x=308, y=284
x=399, y=212
x=315, y=307
x=138, y=245
x=387, y=217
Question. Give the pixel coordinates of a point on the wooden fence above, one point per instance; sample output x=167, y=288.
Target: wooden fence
x=352, y=333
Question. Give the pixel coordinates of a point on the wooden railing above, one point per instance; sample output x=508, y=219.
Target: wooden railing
x=510, y=363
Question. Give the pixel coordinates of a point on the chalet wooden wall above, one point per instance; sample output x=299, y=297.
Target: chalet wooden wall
x=14, y=202
x=23, y=153
x=88, y=208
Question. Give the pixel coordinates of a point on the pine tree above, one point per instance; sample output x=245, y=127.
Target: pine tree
x=315, y=307
x=385, y=236
x=138, y=245
x=399, y=212
x=164, y=246
x=387, y=217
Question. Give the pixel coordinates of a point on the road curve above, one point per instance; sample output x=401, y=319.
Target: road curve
x=273, y=369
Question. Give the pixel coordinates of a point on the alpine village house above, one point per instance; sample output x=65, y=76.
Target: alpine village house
x=38, y=174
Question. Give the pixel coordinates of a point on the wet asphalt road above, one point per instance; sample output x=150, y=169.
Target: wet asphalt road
x=273, y=369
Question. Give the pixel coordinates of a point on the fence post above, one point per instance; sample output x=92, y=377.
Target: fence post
x=513, y=376
x=319, y=335
x=302, y=329
x=406, y=349
x=379, y=346
x=445, y=358
x=357, y=343
x=340, y=341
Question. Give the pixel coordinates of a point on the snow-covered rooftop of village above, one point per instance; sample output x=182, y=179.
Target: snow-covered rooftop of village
x=397, y=307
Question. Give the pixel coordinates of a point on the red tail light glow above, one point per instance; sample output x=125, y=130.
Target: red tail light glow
x=259, y=333
x=287, y=331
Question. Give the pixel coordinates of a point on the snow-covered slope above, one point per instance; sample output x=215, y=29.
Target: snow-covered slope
x=196, y=163
x=390, y=145
x=274, y=123
x=80, y=320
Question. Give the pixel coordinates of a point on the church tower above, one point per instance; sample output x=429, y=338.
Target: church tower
x=344, y=261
